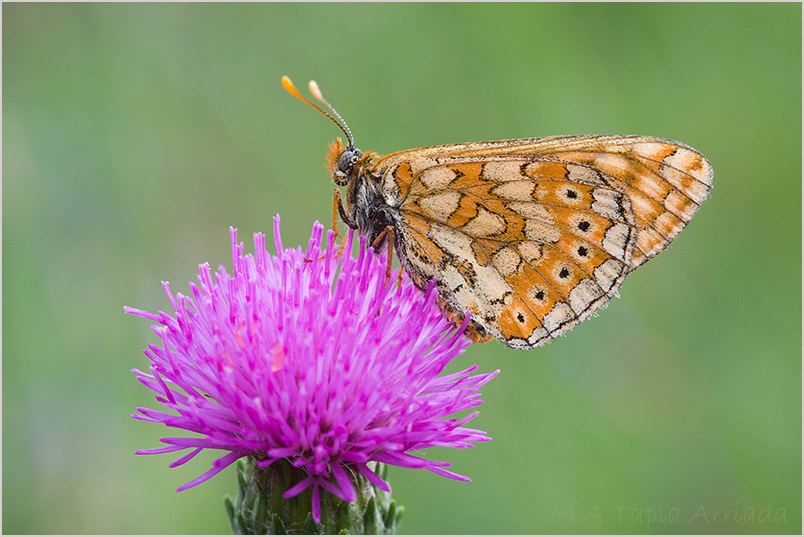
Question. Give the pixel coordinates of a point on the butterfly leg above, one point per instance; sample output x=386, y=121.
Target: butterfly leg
x=388, y=234
x=339, y=209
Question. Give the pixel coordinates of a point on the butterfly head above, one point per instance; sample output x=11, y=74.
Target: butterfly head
x=341, y=162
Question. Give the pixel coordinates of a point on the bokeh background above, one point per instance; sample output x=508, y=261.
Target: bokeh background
x=134, y=135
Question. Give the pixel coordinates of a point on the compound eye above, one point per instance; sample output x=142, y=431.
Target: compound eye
x=346, y=162
x=348, y=159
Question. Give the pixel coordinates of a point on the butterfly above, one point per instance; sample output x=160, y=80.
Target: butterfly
x=529, y=237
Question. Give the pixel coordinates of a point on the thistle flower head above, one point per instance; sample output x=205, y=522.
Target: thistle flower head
x=311, y=358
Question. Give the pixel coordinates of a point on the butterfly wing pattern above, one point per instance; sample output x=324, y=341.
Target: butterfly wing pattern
x=532, y=236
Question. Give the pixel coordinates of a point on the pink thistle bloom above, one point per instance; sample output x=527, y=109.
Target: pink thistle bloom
x=313, y=359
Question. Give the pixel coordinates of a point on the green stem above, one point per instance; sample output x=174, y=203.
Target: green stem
x=261, y=509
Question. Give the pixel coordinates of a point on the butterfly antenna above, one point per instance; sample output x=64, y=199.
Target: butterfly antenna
x=318, y=95
x=288, y=85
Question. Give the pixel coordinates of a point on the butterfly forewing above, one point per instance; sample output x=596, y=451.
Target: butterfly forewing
x=530, y=246
x=666, y=181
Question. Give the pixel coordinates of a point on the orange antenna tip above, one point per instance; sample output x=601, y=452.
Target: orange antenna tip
x=288, y=85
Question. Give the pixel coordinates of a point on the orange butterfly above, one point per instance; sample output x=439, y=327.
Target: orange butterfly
x=529, y=236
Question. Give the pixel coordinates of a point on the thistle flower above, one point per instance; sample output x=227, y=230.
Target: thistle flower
x=312, y=360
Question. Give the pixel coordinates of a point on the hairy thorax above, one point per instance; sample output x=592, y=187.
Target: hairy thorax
x=369, y=210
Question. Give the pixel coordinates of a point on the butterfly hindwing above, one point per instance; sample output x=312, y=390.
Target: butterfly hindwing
x=665, y=180
x=530, y=246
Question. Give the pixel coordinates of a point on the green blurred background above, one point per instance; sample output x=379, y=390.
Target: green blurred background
x=134, y=135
